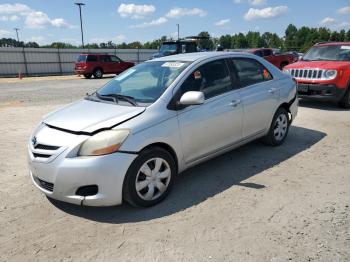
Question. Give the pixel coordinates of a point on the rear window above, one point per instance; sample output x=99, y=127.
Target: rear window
x=81, y=58
x=92, y=58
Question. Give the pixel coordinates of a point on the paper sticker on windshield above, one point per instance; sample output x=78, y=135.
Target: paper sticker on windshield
x=173, y=64
x=345, y=47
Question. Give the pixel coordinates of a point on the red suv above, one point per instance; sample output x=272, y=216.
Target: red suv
x=324, y=73
x=99, y=64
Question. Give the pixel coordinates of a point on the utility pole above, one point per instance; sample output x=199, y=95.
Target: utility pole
x=178, y=31
x=16, y=29
x=81, y=23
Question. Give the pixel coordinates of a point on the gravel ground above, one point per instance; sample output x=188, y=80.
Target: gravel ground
x=256, y=203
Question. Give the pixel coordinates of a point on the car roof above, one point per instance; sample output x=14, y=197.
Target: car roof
x=332, y=43
x=197, y=56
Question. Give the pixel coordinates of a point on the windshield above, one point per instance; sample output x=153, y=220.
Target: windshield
x=81, y=58
x=168, y=48
x=144, y=83
x=328, y=53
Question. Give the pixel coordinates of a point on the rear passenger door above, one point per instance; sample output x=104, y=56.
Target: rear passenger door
x=107, y=65
x=259, y=95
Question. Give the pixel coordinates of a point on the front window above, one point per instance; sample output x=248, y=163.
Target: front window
x=168, y=48
x=144, y=83
x=211, y=78
x=328, y=53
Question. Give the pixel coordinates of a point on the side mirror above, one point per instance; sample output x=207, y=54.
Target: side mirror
x=192, y=98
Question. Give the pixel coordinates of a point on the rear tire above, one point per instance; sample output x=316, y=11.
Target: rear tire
x=87, y=76
x=345, y=102
x=279, y=128
x=149, y=178
x=98, y=73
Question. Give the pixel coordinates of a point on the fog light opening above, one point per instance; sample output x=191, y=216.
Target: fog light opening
x=85, y=191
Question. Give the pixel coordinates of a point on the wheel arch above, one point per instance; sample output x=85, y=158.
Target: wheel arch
x=166, y=147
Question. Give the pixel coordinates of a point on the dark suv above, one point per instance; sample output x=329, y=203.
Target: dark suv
x=99, y=64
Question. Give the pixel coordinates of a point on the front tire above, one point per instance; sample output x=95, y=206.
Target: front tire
x=279, y=128
x=149, y=178
x=345, y=102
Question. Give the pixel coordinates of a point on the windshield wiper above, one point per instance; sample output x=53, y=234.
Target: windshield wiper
x=117, y=97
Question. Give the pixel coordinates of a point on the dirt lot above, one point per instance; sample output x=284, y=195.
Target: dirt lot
x=256, y=203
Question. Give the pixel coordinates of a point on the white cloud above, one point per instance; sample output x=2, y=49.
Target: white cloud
x=59, y=22
x=120, y=38
x=99, y=40
x=10, y=18
x=33, y=18
x=343, y=25
x=222, y=22
x=251, y=2
x=8, y=9
x=344, y=10
x=334, y=23
x=179, y=12
x=328, y=21
x=135, y=11
x=265, y=13
x=257, y=2
x=157, y=22
x=41, y=40
x=4, y=33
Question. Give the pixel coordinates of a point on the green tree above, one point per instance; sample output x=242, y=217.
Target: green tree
x=290, y=38
x=206, y=42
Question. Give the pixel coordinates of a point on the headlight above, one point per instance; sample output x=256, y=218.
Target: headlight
x=103, y=143
x=330, y=74
x=286, y=71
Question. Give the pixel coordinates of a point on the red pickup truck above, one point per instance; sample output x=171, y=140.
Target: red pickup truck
x=324, y=73
x=278, y=60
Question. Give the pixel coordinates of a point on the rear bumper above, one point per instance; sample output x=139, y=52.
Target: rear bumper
x=81, y=71
x=321, y=92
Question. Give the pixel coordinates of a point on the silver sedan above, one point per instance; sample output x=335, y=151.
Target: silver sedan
x=130, y=138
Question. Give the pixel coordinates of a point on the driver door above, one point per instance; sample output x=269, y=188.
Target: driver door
x=217, y=123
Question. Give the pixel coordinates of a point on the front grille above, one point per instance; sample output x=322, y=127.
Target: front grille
x=46, y=147
x=44, y=151
x=44, y=184
x=306, y=73
x=41, y=155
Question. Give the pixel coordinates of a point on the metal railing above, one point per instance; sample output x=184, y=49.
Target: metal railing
x=16, y=61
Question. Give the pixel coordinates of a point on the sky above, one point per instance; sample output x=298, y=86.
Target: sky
x=45, y=21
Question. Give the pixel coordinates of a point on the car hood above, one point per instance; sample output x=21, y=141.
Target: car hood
x=337, y=65
x=89, y=116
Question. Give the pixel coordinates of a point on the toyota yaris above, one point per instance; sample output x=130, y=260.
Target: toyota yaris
x=129, y=139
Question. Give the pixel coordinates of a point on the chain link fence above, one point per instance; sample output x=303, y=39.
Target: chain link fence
x=16, y=61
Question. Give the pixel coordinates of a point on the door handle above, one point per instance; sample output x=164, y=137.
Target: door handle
x=235, y=103
x=272, y=90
